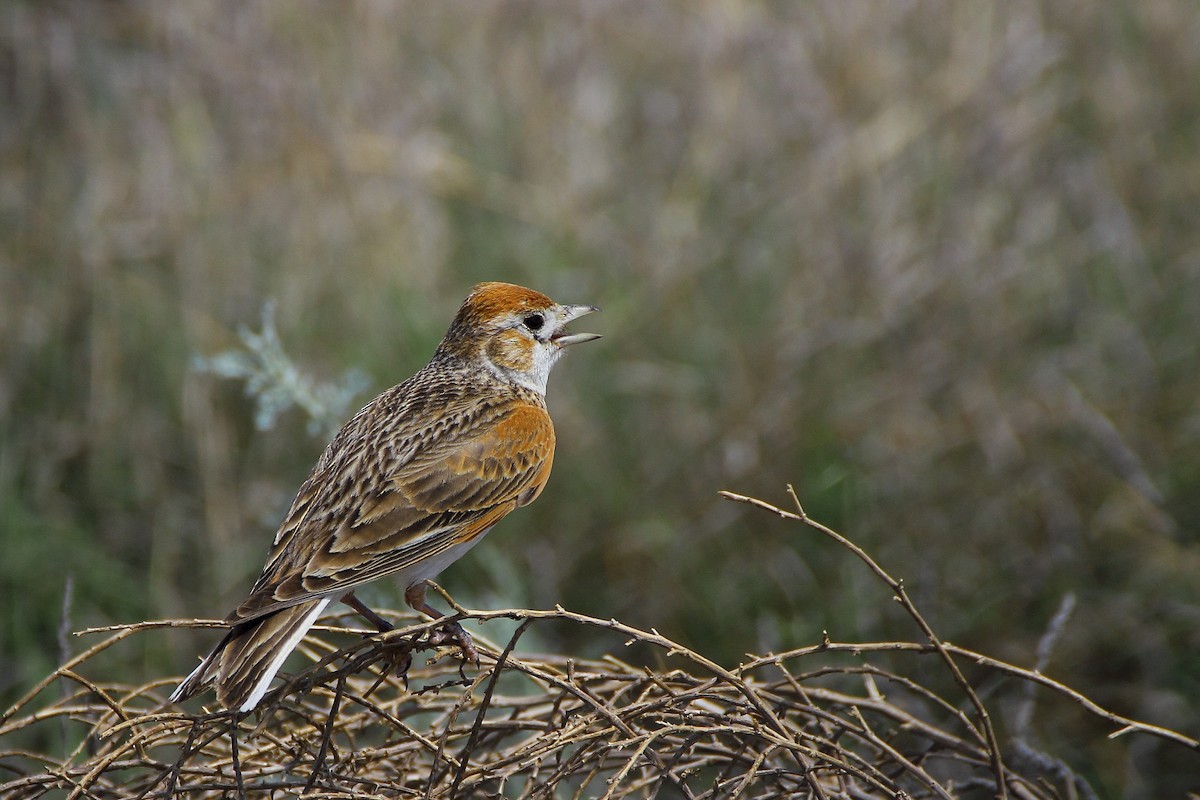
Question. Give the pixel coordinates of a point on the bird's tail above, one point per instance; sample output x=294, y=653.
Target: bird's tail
x=244, y=663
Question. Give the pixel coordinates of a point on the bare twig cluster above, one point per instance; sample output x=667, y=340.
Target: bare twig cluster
x=827, y=721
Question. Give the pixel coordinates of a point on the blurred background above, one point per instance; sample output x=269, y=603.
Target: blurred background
x=936, y=264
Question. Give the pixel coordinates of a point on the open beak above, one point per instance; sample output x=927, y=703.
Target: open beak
x=561, y=337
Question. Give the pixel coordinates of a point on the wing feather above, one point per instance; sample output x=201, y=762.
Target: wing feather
x=380, y=502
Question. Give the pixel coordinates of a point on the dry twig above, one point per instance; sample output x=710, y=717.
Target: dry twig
x=805, y=723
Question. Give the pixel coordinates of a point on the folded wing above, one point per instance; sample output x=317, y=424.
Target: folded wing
x=371, y=515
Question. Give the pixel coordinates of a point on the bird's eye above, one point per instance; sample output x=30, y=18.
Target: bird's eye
x=534, y=322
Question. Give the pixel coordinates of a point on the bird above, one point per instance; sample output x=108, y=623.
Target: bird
x=411, y=483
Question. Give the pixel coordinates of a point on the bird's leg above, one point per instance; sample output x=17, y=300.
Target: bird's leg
x=415, y=597
x=381, y=624
x=401, y=652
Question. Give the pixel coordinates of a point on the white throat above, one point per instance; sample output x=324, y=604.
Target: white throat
x=536, y=377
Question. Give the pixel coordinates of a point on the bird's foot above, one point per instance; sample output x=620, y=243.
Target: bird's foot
x=446, y=632
x=397, y=657
x=452, y=632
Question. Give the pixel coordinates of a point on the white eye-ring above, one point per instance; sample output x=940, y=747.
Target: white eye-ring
x=534, y=321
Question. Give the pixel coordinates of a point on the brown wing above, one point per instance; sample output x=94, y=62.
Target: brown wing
x=379, y=502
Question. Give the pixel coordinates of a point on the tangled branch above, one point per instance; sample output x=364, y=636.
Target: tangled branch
x=831, y=720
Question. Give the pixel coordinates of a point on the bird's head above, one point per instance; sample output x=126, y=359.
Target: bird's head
x=513, y=331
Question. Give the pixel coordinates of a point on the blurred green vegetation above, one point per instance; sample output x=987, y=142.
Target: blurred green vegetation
x=937, y=264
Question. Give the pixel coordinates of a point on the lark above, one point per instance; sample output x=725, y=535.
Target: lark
x=406, y=487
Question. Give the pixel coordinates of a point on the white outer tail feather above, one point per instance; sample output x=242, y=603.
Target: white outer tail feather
x=281, y=655
x=193, y=675
x=264, y=682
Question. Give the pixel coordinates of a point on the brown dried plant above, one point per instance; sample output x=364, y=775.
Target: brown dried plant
x=831, y=720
